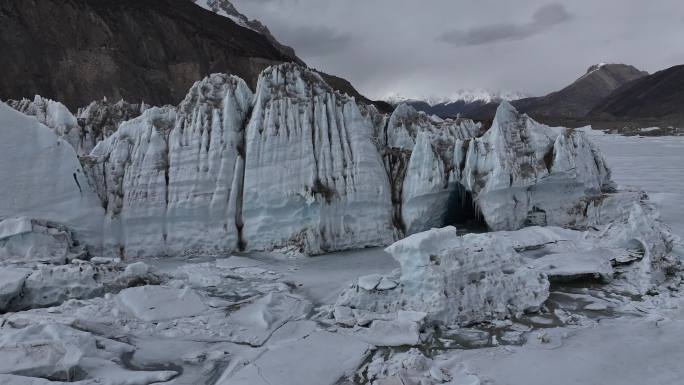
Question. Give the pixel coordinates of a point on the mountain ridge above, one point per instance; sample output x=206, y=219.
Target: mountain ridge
x=578, y=98
x=658, y=95
x=151, y=51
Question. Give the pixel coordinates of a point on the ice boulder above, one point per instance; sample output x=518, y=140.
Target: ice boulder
x=43, y=179
x=11, y=282
x=159, y=303
x=52, y=351
x=39, y=354
x=49, y=285
x=628, y=221
x=25, y=240
x=456, y=279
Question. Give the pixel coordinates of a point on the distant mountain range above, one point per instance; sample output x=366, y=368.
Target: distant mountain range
x=606, y=96
x=461, y=103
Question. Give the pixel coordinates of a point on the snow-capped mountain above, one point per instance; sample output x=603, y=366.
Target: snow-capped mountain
x=460, y=103
x=226, y=9
x=460, y=96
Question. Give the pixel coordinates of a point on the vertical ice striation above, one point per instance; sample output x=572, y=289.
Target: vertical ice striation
x=130, y=169
x=170, y=178
x=206, y=162
x=314, y=180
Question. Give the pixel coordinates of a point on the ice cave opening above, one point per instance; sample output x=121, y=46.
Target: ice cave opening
x=464, y=213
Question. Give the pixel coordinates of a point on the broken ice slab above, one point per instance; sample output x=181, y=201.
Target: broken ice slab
x=320, y=358
x=158, y=303
x=11, y=282
x=255, y=322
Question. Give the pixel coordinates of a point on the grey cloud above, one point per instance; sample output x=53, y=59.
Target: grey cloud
x=543, y=19
x=388, y=46
x=316, y=41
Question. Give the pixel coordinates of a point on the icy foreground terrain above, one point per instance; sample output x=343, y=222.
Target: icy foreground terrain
x=122, y=266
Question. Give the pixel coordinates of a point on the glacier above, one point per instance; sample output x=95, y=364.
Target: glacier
x=298, y=167
x=118, y=226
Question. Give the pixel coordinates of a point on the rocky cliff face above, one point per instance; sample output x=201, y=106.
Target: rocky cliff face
x=77, y=51
x=142, y=51
x=301, y=167
x=577, y=99
x=227, y=9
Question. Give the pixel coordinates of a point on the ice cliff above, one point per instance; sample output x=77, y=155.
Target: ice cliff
x=314, y=180
x=170, y=180
x=298, y=166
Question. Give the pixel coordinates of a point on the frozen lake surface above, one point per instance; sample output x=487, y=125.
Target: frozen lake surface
x=622, y=351
x=654, y=164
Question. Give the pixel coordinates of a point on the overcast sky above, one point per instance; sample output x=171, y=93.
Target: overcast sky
x=435, y=47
